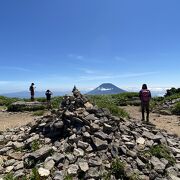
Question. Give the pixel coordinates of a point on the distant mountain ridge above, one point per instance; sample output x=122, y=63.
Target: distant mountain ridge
x=26, y=94
x=106, y=88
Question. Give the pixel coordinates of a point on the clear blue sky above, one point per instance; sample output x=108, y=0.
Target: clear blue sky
x=59, y=43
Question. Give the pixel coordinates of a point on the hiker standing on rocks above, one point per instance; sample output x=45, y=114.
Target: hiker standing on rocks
x=145, y=96
x=31, y=89
x=48, y=98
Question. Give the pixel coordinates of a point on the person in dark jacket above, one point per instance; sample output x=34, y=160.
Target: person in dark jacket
x=145, y=97
x=48, y=98
x=31, y=89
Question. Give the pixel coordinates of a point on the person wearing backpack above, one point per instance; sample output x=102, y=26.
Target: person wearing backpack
x=145, y=97
x=48, y=98
x=31, y=89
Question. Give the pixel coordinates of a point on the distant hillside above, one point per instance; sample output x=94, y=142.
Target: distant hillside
x=26, y=94
x=106, y=88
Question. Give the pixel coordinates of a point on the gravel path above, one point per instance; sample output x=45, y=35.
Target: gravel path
x=170, y=123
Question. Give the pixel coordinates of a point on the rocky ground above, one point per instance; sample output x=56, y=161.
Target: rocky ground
x=82, y=141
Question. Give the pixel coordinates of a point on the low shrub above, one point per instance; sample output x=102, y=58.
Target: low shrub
x=176, y=109
x=117, y=169
x=161, y=151
x=39, y=113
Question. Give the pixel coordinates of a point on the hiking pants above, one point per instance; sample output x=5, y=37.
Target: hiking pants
x=145, y=107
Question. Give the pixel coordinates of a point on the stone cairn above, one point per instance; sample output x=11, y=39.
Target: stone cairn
x=82, y=141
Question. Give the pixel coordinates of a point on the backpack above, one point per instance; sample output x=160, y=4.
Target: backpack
x=145, y=95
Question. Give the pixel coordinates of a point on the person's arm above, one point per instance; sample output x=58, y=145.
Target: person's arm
x=140, y=95
x=150, y=94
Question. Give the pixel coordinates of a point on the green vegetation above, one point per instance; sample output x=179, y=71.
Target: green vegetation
x=172, y=91
x=161, y=151
x=35, y=145
x=117, y=169
x=9, y=176
x=22, y=108
x=106, y=101
x=68, y=177
x=35, y=175
x=39, y=113
x=176, y=109
x=5, y=101
x=56, y=101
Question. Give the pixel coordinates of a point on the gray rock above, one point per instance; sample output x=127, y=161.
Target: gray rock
x=72, y=170
x=130, y=144
x=58, y=124
x=19, y=166
x=43, y=172
x=9, y=169
x=94, y=127
x=91, y=117
x=100, y=144
x=9, y=162
x=49, y=163
x=33, y=138
x=132, y=154
x=1, y=139
x=140, y=140
x=58, y=175
x=82, y=145
x=95, y=161
x=17, y=145
x=38, y=154
x=16, y=155
x=78, y=152
x=83, y=166
x=172, y=177
x=148, y=135
x=101, y=135
x=93, y=173
x=157, y=164
x=140, y=164
x=107, y=128
x=19, y=174
x=4, y=150
x=72, y=159
x=58, y=157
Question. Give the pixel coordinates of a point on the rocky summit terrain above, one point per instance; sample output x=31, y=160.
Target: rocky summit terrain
x=82, y=141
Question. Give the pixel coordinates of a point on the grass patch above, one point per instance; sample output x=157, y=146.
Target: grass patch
x=176, y=109
x=161, y=151
x=117, y=169
x=106, y=101
x=68, y=177
x=35, y=175
x=2, y=108
x=39, y=113
x=35, y=145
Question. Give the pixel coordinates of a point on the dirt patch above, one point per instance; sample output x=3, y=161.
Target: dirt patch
x=170, y=123
x=11, y=120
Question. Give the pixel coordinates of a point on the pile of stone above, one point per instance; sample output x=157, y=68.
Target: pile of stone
x=166, y=107
x=81, y=141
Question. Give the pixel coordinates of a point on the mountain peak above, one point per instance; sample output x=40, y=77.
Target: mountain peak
x=106, y=88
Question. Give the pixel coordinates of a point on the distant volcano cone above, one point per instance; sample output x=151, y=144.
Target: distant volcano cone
x=106, y=88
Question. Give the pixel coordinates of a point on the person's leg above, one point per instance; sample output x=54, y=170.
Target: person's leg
x=147, y=111
x=142, y=110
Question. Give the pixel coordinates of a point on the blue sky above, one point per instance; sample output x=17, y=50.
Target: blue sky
x=59, y=43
